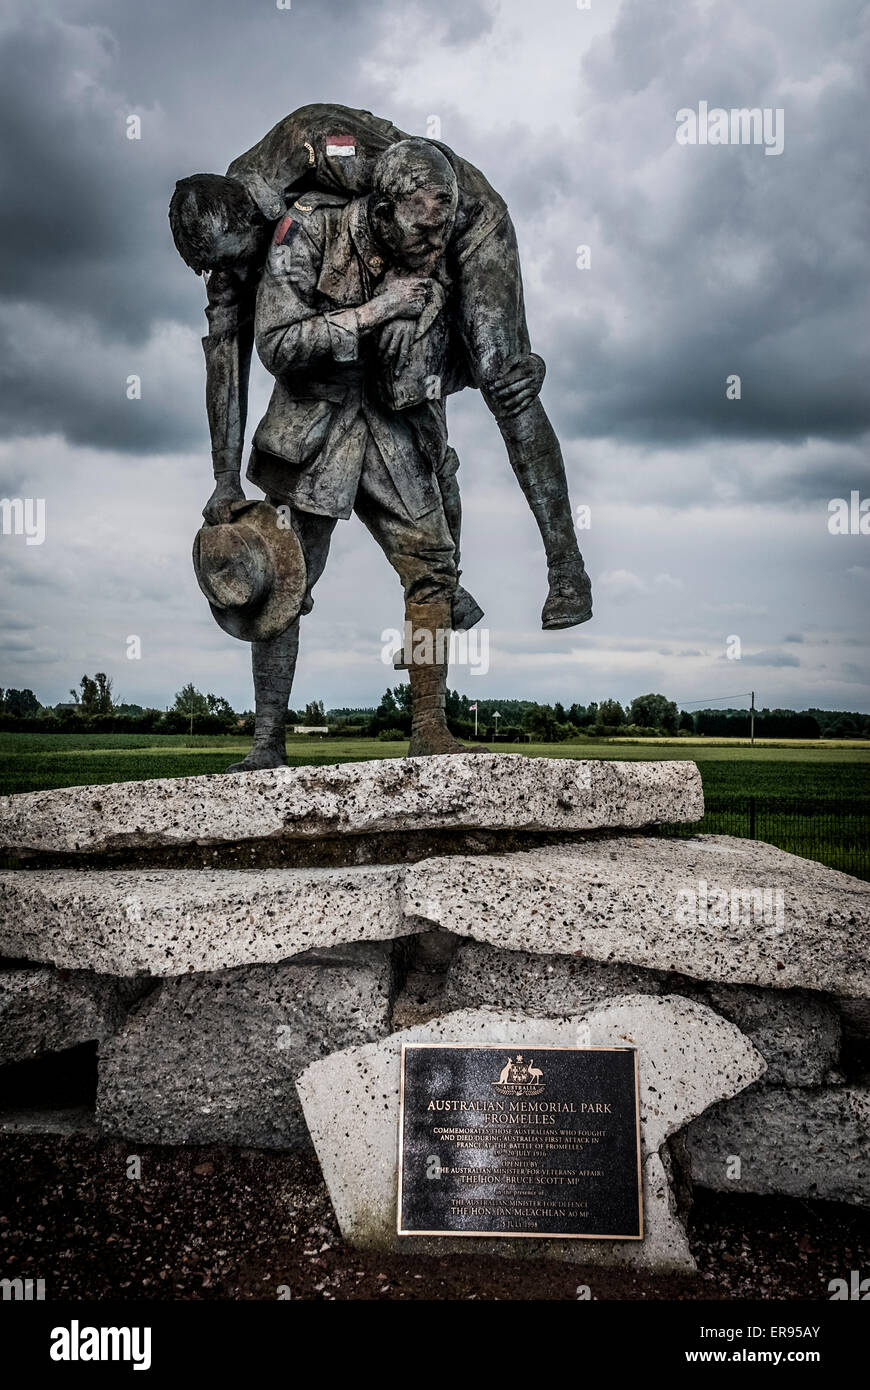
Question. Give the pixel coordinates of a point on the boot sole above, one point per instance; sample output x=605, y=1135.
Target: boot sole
x=470, y=620
x=566, y=620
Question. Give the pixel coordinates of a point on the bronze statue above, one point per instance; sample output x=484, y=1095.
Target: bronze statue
x=390, y=281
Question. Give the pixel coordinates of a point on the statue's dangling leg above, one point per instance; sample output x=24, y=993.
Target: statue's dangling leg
x=536, y=459
x=493, y=325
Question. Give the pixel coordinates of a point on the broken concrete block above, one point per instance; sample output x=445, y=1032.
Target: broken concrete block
x=796, y=1032
x=500, y=791
x=788, y=1143
x=172, y=921
x=211, y=1058
x=711, y=907
x=542, y=985
x=47, y=1010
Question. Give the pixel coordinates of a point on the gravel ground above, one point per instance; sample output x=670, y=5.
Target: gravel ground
x=221, y=1223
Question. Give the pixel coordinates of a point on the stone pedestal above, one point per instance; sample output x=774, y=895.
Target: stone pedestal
x=219, y=938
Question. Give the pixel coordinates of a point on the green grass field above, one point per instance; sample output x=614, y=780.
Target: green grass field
x=810, y=798
x=32, y=762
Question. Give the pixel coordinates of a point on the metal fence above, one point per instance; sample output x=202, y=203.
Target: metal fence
x=835, y=832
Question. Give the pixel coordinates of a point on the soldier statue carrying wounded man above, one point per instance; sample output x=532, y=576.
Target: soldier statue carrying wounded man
x=377, y=274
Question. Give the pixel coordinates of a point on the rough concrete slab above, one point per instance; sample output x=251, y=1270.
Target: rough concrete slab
x=172, y=921
x=46, y=1010
x=622, y=899
x=212, y=1058
x=797, y=1032
x=475, y=791
x=688, y=1058
x=545, y=986
x=696, y=906
x=793, y=1143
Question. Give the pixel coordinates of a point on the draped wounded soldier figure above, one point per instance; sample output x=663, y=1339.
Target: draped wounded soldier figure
x=370, y=311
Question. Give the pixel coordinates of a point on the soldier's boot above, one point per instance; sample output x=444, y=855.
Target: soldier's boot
x=429, y=731
x=274, y=664
x=536, y=459
x=465, y=611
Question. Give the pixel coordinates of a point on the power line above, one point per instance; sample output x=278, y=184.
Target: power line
x=747, y=694
x=714, y=699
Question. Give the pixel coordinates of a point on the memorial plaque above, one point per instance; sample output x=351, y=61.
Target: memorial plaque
x=520, y=1141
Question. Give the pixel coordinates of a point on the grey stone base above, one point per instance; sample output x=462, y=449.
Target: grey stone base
x=46, y=1010
x=621, y=899
x=212, y=1058
x=193, y=982
x=695, y=906
x=808, y=1143
x=499, y=791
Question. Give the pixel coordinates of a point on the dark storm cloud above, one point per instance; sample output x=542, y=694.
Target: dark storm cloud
x=706, y=261
x=89, y=274
x=721, y=259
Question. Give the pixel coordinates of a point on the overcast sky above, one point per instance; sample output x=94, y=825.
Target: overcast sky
x=709, y=517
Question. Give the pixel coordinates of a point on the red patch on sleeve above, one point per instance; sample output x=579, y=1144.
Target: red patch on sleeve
x=282, y=230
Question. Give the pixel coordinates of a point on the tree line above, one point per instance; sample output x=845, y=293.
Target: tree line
x=646, y=716
x=94, y=709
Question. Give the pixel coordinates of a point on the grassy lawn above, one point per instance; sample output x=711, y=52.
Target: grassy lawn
x=812, y=798
x=31, y=762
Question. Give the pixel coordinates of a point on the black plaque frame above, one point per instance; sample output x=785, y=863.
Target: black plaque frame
x=502, y=1048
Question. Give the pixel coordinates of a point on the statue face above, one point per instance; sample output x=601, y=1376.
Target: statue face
x=420, y=226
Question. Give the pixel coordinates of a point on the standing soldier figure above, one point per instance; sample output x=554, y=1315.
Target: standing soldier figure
x=350, y=314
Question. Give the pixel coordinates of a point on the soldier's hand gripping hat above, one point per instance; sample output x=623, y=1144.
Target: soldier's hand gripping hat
x=252, y=571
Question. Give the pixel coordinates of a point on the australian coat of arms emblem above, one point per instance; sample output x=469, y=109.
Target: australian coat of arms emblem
x=520, y=1077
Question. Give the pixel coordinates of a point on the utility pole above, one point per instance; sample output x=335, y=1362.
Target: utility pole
x=752, y=721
